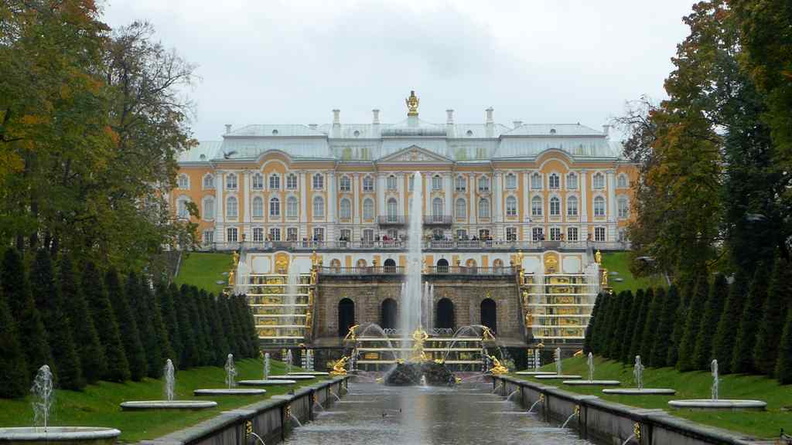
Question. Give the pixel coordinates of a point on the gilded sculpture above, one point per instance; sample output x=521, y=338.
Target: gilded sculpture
x=497, y=367
x=412, y=104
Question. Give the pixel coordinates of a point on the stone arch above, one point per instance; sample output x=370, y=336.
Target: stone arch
x=388, y=313
x=445, y=314
x=335, y=265
x=442, y=265
x=489, y=314
x=346, y=316
x=389, y=266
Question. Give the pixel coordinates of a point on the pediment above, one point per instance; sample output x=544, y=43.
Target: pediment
x=415, y=153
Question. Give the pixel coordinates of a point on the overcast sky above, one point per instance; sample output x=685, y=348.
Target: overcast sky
x=540, y=61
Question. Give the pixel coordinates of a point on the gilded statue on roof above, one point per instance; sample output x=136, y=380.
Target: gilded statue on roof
x=412, y=104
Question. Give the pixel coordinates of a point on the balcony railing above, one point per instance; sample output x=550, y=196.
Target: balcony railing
x=433, y=270
x=368, y=270
x=463, y=270
x=438, y=220
x=392, y=220
x=296, y=246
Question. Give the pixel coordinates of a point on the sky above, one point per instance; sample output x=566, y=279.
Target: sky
x=292, y=62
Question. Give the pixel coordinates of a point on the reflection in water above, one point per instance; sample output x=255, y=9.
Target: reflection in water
x=468, y=414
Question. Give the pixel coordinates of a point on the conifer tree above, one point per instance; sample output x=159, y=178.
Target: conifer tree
x=729, y=323
x=32, y=334
x=160, y=330
x=219, y=341
x=665, y=329
x=742, y=360
x=230, y=324
x=14, y=379
x=199, y=338
x=66, y=366
x=617, y=343
x=624, y=355
x=696, y=305
x=251, y=334
x=86, y=339
x=183, y=301
x=144, y=319
x=779, y=295
x=610, y=324
x=588, y=341
x=783, y=369
x=680, y=319
x=106, y=325
x=165, y=295
x=651, y=323
x=719, y=291
x=208, y=356
x=635, y=344
x=130, y=337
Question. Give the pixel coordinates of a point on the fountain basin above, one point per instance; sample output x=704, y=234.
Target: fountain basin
x=557, y=377
x=267, y=382
x=534, y=373
x=229, y=392
x=722, y=404
x=292, y=377
x=641, y=392
x=77, y=434
x=592, y=382
x=313, y=373
x=167, y=404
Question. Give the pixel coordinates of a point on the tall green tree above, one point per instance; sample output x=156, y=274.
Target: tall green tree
x=588, y=341
x=651, y=323
x=145, y=321
x=729, y=323
x=617, y=342
x=718, y=294
x=230, y=324
x=696, y=305
x=742, y=359
x=49, y=301
x=187, y=334
x=106, y=325
x=768, y=337
x=665, y=328
x=130, y=336
x=217, y=334
x=249, y=326
x=643, y=300
x=783, y=370
x=161, y=334
x=165, y=295
x=14, y=378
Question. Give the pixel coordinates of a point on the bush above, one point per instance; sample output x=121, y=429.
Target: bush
x=719, y=291
x=696, y=305
x=729, y=322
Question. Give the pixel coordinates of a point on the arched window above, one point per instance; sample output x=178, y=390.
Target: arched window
x=536, y=206
x=554, y=181
x=389, y=266
x=623, y=207
x=536, y=181
x=257, y=181
x=368, y=209
x=274, y=181
x=511, y=181
x=460, y=209
x=318, y=181
x=598, y=181
x=599, y=206
x=572, y=181
x=208, y=182
x=437, y=182
x=555, y=206
x=391, y=182
x=335, y=264
x=572, y=206
x=274, y=208
x=292, y=207
x=345, y=209
x=345, y=184
x=489, y=314
x=258, y=207
x=460, y=184
x=497, y=264
x=318, y=207
x=484, y=208
x=445, y=314
x=622, y=181
x=291, y=181
x=361, y=264
x=232, y=207
x=437, y=208
x=511, y=206
x=368, y=184
x=181, y=207
x=184, y=182
x=393, y=208
x=208, y=208
x=346, y=316
x=483, y=184
x=231, y=181
x=442, y=265
x=388, y=313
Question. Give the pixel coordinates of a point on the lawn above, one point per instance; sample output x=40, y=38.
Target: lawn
x=98, y=405
x=204, y=270
x=619, y=262
x=694, y=385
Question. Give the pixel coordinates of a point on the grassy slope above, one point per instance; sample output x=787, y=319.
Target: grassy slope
x=98, y=405
x=204, y=270
x=618, y=262
x=694, y=385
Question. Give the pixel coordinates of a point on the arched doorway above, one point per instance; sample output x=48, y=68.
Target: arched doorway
x=346, y=316
x=442, y=266
x=388, y=314
x=389, y=265
x=489, y=314
x=445, y=314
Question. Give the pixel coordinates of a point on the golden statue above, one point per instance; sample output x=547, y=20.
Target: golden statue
x=497, y=367
x=339, y=366
x=519, y=258
x=598, y=257
x=412, y=104
x=235, y=256
x=419, y=337
x=486, y=333
x=231, y=277
x=351, y=334
x=314, y=259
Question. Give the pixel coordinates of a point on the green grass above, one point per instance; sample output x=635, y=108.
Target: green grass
x=204, y=270
x=619, y=262
x=98, y=405
x=693, y=385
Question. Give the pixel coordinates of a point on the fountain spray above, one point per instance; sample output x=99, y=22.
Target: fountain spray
x=266, y=365
x=42, y=396
x=170, y=380
x=638, y=372
x=557, y=357
x=410, y=312
x=231, y=371
x=590, y=363
x=715, y=379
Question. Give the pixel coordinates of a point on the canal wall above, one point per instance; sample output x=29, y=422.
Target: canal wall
x=605, y=422
x=270, y=419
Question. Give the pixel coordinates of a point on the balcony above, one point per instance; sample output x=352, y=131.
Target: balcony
x=392, y=220
x=438, y=220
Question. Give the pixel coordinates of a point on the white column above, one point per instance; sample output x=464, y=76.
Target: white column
x=497, y=193
x=303, y=230
x=332, y=199
x=427, y=192
x=380, y=195
x=526, y=206
x=473, y=217
x=219, y=206
x=400, y=183
x=357, y=205
x=583, y=183
x=449, y=195
x=244, y=189
x=611, y=176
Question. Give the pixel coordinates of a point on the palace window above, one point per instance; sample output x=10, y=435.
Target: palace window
x=368, y=184
x=622, y=181
x=460, y=209
x=345, y=209
x=483, y=184
x=391, y=182
x=318, y=234
x=275, y=234
x=392, y=210
x=461, y=234
x=257, y=181
x=572, y=181
x=555, y=206
x=208, y=237
x=572, y=234
x=411, y=183
x=274, y=208
x=598, y=181
x=291, y=181
x=599, y=206
x=258, y=234
x=599, y=234
x=481, y=153
x=623, y=207
x=208, y=182
x=318, y=207
x=181, y=207
x=232, y=207
x=537, y=234
x=292, y=207
x=184, y=182
x=555, y=234
x=511, y=206
x=345, y=184
x=346, y=234
x=208, y=208
x=258, y=207
x=460, y=184
x=484, y=208
x=368, y=209
x=274, y=181
x=291, y=234
x=231, y=181
x=368, y=235
x=554, y=181
x=437, y=207
x=318, y=181
x=511, y=233
x=437, y=182
x=232, y=235
x=484, y=234
x=536, y=181
x=511, y=181
x=572, y=206
x=536, y=206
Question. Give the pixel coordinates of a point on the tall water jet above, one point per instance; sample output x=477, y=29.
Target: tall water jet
x=557, y=357
x=411, y=313
x=716, y=403
x=289, y=299
x=42, y=396
x=289, y=361
x=170, y=380
x=231, y=371
x=266, y=365
x=169, y=387
x=715, y=379
x=638, y=372
x=590, y=363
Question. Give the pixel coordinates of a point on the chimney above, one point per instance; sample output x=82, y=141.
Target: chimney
x=336, y=117
x=450, y=116
x=489, y=115
x=375, y=116
x=228, y=128
x=312, y=126
x=606, y=130
x=517, y=124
